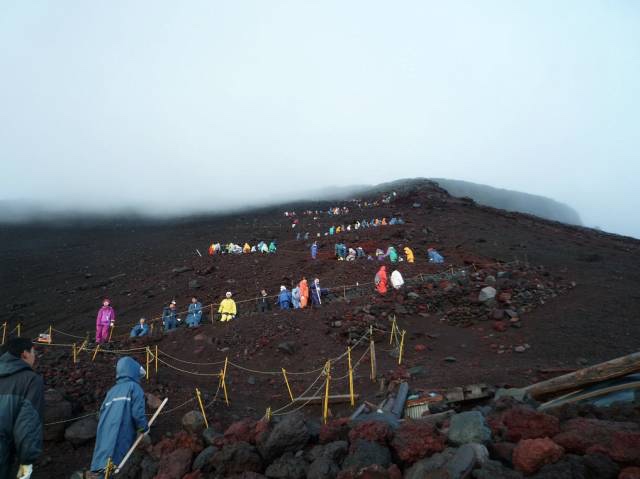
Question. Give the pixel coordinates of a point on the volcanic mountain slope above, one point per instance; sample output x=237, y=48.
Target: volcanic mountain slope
x=573, y=290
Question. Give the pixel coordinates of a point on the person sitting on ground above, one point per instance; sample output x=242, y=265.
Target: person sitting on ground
x=139, y=330
x=122, y=416
x=352, y=255
x=106, y=319
x=227, y=308
x=298, y=236
x=21, y=409
x=434, y=256
x=263, y=302
x=396, y=279
x=314, y=250
x=237, y=249
x=360, y=252
x=380, y=280
x=295, y=297
x=304, y=292
x=212, y=249
x=170, y=316
x=409, y=254
x=383, y=222
x=273, y=247
x=342, y=251
x=284, y=298
x=393, y=221
x=246, y=248
x=194, y=315
x=379, y=254
x=306, y=236
x=332, y=230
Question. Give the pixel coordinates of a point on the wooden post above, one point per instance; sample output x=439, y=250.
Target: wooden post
x=18, y=328
x=204, y=413
x=95, y=353
x=4, y=332
x=325, y=408
x=286, y=381
x=351, y=396
x=110, y=333
x=401, y=347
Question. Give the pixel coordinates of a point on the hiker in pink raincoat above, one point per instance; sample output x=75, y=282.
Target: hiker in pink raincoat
x=106, y=318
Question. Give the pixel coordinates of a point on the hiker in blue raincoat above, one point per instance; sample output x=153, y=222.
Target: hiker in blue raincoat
x=194, y=315
x=170, y=316
x=295, y=297
x=141, y=329
x=121, y=416
x=314, y=250
x=284, y=298
x=434, y=256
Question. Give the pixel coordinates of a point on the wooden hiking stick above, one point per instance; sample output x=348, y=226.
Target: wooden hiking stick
x=135, y=444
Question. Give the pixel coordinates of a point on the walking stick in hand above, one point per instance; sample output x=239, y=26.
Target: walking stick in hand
x=135, y=444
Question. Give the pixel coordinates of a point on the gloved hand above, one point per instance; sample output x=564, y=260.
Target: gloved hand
x=25, y=471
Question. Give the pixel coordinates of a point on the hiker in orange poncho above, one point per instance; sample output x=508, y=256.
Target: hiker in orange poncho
x=381, y=280
x=304, y=293
x=246, y=248
x=212, y=249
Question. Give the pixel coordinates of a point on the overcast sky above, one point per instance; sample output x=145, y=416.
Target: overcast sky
x=207, y=103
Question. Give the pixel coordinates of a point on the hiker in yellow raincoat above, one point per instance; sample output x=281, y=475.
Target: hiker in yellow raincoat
x=409, y=254
x=246, y=248
x=227, y=308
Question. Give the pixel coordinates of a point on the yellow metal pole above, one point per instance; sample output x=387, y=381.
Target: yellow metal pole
x=268, y=414
x=325, y=409
x=224, y=387
x=156, y=359
x=50, y=334
x=393, y=330
x=4, y=332
x=74, y=353
x=204, y=414
x=148, y=361
x=95, y=353
x=18, y=328
x=284, y=373
x=351, y=395
x=82, y=346
x=108, y=468
x=401, y=347
x=372, y=355
x=110, y=333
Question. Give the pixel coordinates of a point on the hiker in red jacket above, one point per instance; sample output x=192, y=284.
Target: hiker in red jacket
x=381, y=280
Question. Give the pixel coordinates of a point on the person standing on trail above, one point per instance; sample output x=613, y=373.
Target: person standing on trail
x=106, y=318
x=263, y=302
x=381, y=280
x=304, y=292
x=21, y=409
x=170, y=316
x=227, y=308
x=314, y=250
x=194, y=315
x=284, y=298
x=139, y=330
x=121, y=416
x=295, y=297
x=316, y=293
x=409, y=254
x=396, y=279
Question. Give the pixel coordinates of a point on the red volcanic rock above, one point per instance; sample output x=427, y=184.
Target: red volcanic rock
x=175, y=465
x=531, y=454
x=414, y=440
x=523, y=423
x=376, y=431
x=630, y=473
x=335, y=430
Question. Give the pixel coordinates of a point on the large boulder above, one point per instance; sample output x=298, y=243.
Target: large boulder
x=486, y=294
x=287, y=466
x=81, y=431
x=193, y=422
x=365, y=453
x=531, y=454
x=414, y=440
x=618, y=440
x=431, y=466
x=241, y=431
x=212, y=437
x=289, y=435
x=236, y=458
x=334, y=430
x=175, y=465
x=468, y=427
x=56, y=410
x=203, y=458
x=323, y=468
x=495, y=470
x=523, y=423
x=377, y=431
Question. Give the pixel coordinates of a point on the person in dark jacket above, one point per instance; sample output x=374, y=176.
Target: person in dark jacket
x=263, y=302
x=21, y=409
x=170, y=316
x=317, y=292
x=121, y=416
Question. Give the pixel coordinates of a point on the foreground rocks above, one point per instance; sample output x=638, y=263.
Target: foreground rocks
x=505, y=439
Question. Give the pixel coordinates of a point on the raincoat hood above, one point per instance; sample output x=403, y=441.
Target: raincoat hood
x=128, y=368
x=9, y=365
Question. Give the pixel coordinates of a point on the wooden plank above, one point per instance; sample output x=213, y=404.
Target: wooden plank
x=593, y=374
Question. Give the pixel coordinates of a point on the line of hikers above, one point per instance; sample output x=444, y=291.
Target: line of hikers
x=232, y=248
x=344, y=253
x=334, y=230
